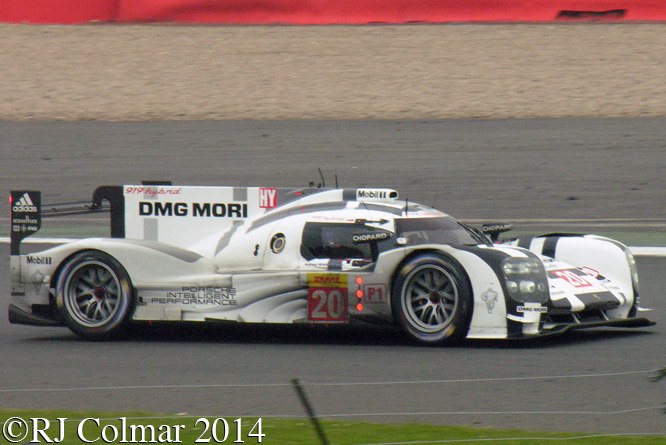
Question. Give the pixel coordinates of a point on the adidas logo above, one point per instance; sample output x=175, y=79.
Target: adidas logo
x=24, y=205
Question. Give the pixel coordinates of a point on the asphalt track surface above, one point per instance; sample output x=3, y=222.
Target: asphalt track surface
x=589, y=381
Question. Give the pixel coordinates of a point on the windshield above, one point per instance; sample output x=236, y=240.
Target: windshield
x=440, y=230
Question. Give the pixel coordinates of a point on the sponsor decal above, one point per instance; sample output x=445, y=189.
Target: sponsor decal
x=490, y=297
x=371, y=194
x=267, y=198
x=376, y=194
x=201, y=296
x=37, y=279
x=24, y=205
x=571, y=277
x=216, y=210
x=591, y=272
x=361, y=238
x=523, y=309
x=496, y=228
x=331, y=218
x=327, y=298
x=327, y=279
x=420, y=214
x=25, y=218
x=152, y=192
x=38, y=259
x=374, y=293
x=25, y=229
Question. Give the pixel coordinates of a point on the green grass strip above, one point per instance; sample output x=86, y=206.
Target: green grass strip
x=136, y=427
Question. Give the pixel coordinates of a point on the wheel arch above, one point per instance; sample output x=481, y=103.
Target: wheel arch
x=58, y=271
x=420, y=252
x=106, y=309
x=447, y=257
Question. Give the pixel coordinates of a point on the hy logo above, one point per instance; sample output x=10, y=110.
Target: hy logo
x=24, y=205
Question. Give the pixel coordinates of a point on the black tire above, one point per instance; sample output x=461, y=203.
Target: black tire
x=94, y=295
x=431, y=299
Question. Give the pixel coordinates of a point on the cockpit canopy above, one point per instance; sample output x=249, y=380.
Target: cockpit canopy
x=345, y=240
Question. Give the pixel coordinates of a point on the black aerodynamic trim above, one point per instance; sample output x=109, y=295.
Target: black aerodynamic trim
x=114, y=195
x=549, y=246
x=561, y=306
x=224, y=241
x=525, y=242
x=550, y=243
x=559, y=329
x=599, y=300
x=622, y=323
x=282, y=213
x=17, y=315
x=349, y=195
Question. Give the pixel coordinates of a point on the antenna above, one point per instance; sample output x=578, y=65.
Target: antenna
x=323, y=182
x=349, y=172
x=336, y=181
x=406, y=206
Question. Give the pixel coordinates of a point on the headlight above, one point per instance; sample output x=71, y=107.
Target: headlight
x=520, y=266
x=525, y=279
x=632, y=267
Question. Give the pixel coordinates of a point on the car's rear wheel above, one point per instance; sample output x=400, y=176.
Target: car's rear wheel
x=431, y=299
x=94, y=294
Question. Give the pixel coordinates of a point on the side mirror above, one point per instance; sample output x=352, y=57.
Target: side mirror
x=494, y=230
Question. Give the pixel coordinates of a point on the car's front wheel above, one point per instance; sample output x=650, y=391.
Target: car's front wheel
x=94, y=294
x=431, y=299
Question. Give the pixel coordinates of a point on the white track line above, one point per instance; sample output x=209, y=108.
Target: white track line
x=312, y=384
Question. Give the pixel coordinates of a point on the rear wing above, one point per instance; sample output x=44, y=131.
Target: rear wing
x=27, y=212
x=178, y=215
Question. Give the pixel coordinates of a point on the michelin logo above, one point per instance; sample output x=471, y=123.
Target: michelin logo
x=24, y=205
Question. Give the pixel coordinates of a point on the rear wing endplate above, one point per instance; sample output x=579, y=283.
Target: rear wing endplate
x=25, y=217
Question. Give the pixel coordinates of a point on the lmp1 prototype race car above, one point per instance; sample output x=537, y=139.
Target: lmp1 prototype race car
x=313, y=255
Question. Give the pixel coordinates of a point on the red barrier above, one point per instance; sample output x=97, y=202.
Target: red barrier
x=384, y=11
x=57, y=11
x=326, y=11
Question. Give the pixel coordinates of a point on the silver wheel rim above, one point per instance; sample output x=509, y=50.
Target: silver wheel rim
x=430, y=298
x=92, y=294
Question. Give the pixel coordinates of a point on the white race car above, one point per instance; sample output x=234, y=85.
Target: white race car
x=313, y=255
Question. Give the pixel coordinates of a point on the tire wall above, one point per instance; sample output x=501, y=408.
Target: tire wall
x=326, y=12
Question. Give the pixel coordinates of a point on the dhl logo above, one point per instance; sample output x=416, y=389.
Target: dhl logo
x=327, y=280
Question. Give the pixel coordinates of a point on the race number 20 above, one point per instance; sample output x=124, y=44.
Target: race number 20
x=327, y=298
